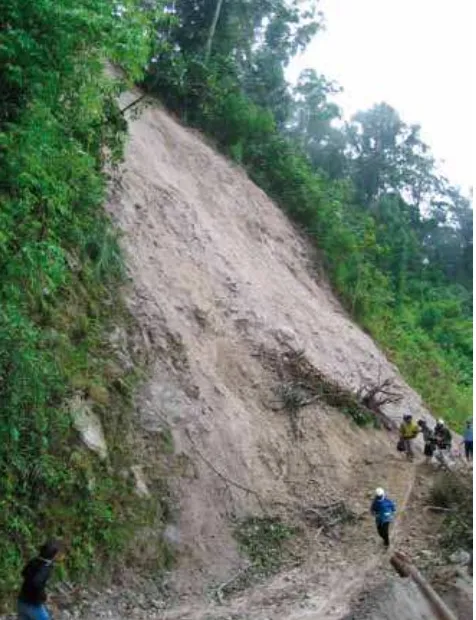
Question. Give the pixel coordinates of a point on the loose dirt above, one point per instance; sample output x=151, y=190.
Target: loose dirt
x=217, y=276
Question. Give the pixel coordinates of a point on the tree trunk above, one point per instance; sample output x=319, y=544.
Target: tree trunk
x=211, y=34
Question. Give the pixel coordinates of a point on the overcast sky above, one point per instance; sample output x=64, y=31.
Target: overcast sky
x=412, y=54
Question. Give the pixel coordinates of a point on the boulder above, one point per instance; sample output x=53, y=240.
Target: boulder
x=88, y=425
x=139, y=480
x=460, y=557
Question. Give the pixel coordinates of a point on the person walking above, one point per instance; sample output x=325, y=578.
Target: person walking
x=383, y=509
x=468, y=440
x=408, y=431
x=443, y=436
x=428, y=438
x=32, y=596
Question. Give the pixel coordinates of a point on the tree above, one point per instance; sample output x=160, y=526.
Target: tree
x=313, y=123
x=216, y=15
x=388, y=155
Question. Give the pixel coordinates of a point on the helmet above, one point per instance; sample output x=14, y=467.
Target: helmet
x=407, y=416
x=379, y=492
x=421, y=422
x=441, y=421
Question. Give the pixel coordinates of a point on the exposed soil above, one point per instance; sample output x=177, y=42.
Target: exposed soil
x=219, y=275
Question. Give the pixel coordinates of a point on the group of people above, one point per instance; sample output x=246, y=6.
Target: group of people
x=32, y=597
x=382, y=507
x=438, y=438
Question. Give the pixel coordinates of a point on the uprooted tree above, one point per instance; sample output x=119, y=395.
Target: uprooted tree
x=301, y=384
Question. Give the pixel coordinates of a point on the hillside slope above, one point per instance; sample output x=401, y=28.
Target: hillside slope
x=223, y=287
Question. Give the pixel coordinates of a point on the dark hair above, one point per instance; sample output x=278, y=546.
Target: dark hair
x=50, y=549
x=421, y=423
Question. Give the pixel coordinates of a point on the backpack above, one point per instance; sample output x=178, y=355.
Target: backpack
x=401, y=445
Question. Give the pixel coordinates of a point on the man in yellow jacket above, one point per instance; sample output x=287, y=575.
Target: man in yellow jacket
x=408, y=431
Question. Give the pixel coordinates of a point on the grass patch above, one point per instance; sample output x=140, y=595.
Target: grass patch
x=263, y=540
x=266, y=542
x=454, y=492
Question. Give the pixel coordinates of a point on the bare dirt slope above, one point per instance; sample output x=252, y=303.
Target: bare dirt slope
x=222, y=287
x=220, y=281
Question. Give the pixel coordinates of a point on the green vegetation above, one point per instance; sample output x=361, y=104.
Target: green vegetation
x=395, y=237
x=454, y=493
x=59, y=273
x=263, y=540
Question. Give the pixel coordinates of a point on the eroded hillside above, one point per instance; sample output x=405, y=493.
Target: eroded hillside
x=228, y=297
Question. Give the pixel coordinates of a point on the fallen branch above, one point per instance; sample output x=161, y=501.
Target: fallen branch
x=134, y=103
x=303, y=384
x=222, y=476
x=438, y=509
x=405, y=568
x=329, y=516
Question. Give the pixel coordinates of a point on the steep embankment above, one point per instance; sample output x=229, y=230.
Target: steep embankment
x=224, y=288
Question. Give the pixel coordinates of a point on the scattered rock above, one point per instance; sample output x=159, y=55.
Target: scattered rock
x=426, y=553
x=284, y=335
x=119, y=340
x=460, y=557
x=172, y=535
x=98, y=394
x=88, y=425
x=139, y=480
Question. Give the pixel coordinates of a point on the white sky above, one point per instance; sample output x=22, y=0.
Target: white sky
x=412, y=54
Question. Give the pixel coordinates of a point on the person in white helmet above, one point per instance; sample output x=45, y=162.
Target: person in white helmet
x=383, y=509
x=443, y=435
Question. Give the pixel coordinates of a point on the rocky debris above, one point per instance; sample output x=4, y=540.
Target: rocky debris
x=88, y=425
x=172, y=535
x=139, y=481
x=119, y=341
x=460, y=557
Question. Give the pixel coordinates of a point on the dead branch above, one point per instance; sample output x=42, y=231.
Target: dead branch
x=222, y=476
x=438, y=509
x=378, y=395
x=328, y=516
x=405, y=568
x=303, y=384
x=272, y=406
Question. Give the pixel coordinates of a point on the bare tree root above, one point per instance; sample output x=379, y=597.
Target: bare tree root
x=301, y=384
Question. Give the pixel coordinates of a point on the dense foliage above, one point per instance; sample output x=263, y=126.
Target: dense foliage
x=395, y=236
x=59, y=267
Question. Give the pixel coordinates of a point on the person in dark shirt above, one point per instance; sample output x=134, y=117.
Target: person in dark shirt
x=443, y=436
x=468, y=440
x=32, y=596
x=428, y=438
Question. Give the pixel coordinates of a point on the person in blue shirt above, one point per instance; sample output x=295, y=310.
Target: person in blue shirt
x=468, y=440
x=383, y=509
